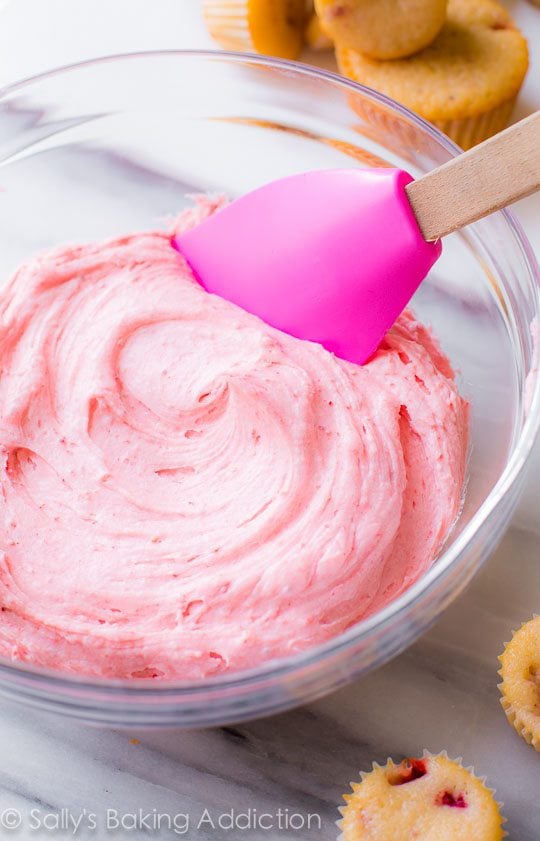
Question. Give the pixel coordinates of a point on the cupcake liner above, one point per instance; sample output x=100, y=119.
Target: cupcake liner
x=525, y=723
x=520, y=723
x=469, y=131
x=378, y=122
x=465, y=131
x=227, y=22
x=354, y=786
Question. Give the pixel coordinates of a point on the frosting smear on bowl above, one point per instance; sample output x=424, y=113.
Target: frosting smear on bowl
x=186, y=490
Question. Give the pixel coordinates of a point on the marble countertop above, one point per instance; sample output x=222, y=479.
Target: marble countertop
x=66, y=780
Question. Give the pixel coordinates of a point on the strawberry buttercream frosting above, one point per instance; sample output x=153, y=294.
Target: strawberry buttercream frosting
x=186, y=490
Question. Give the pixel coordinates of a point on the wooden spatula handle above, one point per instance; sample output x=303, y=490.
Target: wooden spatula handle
x=490, y=176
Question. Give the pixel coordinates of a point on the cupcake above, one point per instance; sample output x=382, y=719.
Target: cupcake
x=382, y=28
x=520, y=687
x=465, y=82
x=432, y=797
x=271, y=27
x=315, y=36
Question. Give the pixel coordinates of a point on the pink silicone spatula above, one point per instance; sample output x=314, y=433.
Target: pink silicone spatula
x=334, y=256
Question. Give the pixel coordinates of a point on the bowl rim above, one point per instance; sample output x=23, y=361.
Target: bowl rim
x=29, y=675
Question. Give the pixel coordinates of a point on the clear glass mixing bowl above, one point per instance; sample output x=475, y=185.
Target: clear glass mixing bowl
x=115, y=145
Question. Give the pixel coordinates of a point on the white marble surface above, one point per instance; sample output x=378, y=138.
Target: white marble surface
x=441, y=694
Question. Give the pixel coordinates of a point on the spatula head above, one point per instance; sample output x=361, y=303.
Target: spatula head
x=332, y=256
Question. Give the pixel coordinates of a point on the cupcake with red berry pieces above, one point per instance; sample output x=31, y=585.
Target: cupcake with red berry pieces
x=520, y=687
x=429, y=799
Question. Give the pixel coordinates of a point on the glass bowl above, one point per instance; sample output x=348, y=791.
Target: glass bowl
x=114, y=145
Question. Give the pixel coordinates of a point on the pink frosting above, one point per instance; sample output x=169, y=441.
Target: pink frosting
x=187, y=490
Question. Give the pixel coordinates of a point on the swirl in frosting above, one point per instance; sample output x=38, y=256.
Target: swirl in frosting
x=188, y=491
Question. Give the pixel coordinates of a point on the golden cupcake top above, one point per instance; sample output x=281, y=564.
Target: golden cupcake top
x=520, y=687
x=427, y=799
x=383, y=29
x=477, y=62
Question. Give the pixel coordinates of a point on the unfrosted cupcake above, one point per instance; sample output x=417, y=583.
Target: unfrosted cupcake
x=465, y=82
x=427, y=798
x=520, y=687
x=271, y=27
x=382, y=28
x=315, y=36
